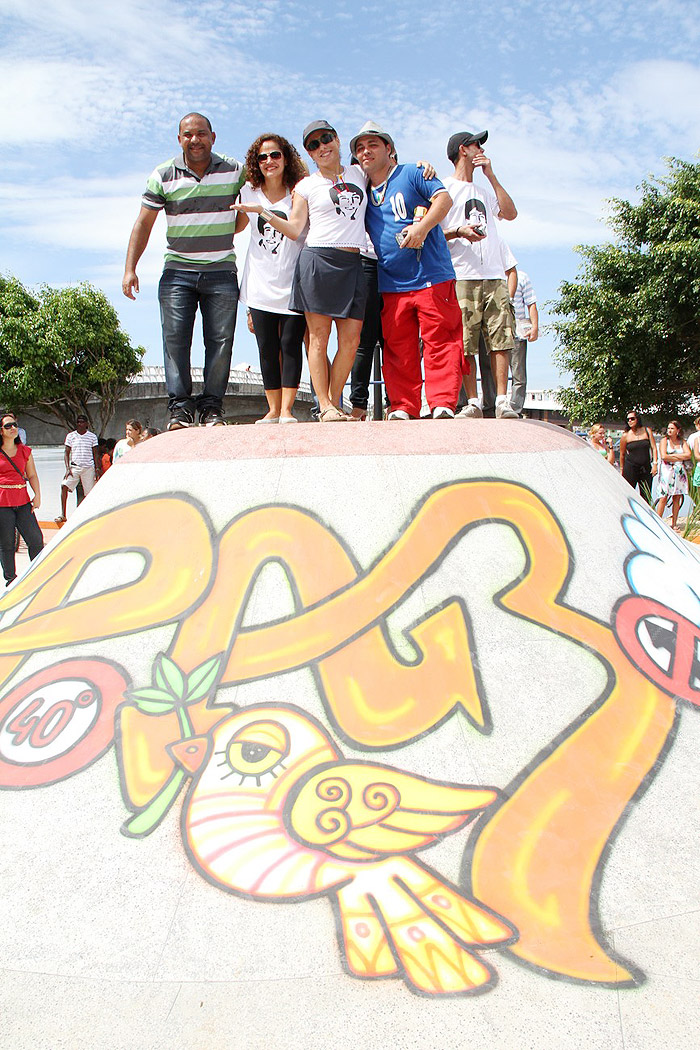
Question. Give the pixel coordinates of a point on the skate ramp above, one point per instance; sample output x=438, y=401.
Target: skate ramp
x=363, y=736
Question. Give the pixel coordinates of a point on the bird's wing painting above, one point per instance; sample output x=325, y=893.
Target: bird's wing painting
x=362, y=812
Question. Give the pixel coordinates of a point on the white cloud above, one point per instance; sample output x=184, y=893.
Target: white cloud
x=659, y=97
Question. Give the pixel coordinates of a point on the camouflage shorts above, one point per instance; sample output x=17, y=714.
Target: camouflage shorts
x=486, y=310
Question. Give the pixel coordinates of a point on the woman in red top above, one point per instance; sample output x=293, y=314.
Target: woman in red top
x=16, y=508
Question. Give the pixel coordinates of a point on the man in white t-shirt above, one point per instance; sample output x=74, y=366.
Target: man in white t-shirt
x=82, y=462
x=527, y=324
x=472, y=236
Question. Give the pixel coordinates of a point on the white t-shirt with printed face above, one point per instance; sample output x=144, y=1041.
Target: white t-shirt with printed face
x=336, y=209
x=474, y=205
x=269, y=266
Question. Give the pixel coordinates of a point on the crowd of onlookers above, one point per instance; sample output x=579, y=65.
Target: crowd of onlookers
x=674, y=460
x=88, y=457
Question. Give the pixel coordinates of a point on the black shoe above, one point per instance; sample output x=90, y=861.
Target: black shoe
x=211, y=417
x=180, y=419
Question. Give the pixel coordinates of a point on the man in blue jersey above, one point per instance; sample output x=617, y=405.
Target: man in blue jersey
x=195, y=190
x=416, y=279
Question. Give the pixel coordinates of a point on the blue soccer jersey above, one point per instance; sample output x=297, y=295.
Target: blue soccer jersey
x=389, y=209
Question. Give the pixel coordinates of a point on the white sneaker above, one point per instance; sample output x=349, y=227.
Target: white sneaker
x=398, y=413
x=470, y=412
x=506, y=411
x=443, y=413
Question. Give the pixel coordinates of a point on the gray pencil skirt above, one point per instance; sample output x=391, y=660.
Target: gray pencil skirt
x=329, y=281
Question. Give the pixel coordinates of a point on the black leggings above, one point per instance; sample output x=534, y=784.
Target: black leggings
x=279, y=336
x=20, y=518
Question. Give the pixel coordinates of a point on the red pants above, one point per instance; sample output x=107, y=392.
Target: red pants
x=433, y=314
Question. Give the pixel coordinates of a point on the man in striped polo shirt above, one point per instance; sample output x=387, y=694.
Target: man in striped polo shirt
x=196, y=190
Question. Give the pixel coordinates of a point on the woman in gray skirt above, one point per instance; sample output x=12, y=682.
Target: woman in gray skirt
x=329, y=284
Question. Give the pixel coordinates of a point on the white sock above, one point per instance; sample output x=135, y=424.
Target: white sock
x=476, y=401
x=501, y=399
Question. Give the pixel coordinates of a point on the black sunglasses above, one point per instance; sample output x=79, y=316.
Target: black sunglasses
x=9, y=426
x=313, y=144
x=275, y=154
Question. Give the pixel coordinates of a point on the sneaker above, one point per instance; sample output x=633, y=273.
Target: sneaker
x=441, y=412
x=180, y=419
x=505, y=410
x=470, y=412
x=398, y=413
x=211, y=417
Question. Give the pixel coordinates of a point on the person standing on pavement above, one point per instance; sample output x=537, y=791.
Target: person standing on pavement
x=274, y=168
x=82, y=460
x=488, y=387
x=472, y=235
x=16, y=508
x=196, y=190
x=328, y=285
x=527, y=330
x=416, y=279
x=639, y=456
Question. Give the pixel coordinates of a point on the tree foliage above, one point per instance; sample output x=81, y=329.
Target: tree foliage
x=629, y=324
x=60, y=349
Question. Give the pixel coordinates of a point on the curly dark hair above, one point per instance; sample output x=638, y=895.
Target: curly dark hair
x=294, y=167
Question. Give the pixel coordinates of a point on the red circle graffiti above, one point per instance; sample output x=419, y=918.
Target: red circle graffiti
x=683, y=662
x=106, y=683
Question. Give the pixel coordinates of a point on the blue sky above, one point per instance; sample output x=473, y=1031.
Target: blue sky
x=581, y=100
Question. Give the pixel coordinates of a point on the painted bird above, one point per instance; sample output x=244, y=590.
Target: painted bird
x=276, y=813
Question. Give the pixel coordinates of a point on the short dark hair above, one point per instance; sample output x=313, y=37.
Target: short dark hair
x=201, y=115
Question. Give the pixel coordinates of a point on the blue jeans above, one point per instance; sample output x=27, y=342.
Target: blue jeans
x=180, y=292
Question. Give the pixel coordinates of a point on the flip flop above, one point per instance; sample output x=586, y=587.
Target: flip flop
x=332, y=415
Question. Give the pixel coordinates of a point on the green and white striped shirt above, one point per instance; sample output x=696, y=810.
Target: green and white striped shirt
x=200, y=224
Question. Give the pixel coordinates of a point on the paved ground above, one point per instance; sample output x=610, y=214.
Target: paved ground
x=369, y=736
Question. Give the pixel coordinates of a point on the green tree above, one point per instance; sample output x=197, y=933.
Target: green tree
x=59, y=349
x=629, y=324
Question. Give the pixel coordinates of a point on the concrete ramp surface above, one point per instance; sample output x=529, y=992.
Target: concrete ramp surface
x=368, y=736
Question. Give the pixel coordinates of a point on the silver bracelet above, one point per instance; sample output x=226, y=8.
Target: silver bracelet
x=267, y=215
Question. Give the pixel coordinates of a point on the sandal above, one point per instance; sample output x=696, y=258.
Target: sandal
x=332, y=415
x=60, y=520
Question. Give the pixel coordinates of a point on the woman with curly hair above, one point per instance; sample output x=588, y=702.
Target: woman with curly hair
x=274, y=168
x=329, y=284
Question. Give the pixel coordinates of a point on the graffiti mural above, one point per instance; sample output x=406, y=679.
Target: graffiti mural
x=271, y=809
